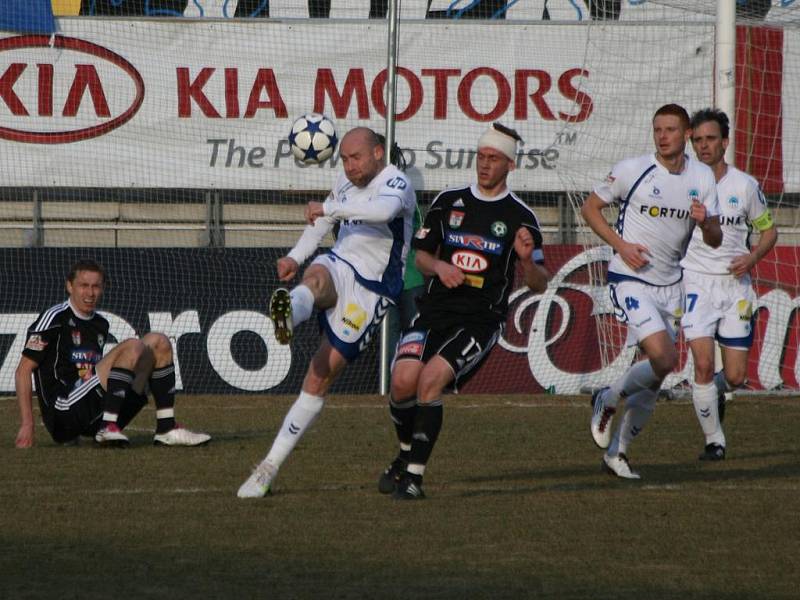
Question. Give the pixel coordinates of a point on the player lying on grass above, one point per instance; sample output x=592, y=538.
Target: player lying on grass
x=80, y=391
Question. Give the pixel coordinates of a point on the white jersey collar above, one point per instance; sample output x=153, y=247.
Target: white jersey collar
x=475, y=192
x=78, y=313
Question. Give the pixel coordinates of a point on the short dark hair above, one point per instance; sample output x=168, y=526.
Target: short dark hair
x=706, y=115
x=512, y=133
x=86, y=264
x=675, y=110
x=396, y=156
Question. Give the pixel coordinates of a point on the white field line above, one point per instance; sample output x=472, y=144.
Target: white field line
x=455, y=404
x=162, y=491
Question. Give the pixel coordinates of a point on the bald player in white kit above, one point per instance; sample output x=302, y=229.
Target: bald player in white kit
x=662, y=198
x=352, y=285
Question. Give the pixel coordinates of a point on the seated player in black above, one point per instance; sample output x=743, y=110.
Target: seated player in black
x=468, y=246
x=83, y=393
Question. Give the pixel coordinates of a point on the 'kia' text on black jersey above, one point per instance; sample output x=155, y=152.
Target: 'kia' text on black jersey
x=66, y=347
x=476, y=234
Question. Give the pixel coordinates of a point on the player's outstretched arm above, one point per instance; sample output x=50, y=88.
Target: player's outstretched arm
x=634, y=255
x=431, y=266
x=536, y=276
x=310, y=240
x=313, y=211
x=381, y=209
x=24, y=387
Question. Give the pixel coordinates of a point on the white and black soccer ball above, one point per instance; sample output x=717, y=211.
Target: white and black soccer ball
x=313, y=138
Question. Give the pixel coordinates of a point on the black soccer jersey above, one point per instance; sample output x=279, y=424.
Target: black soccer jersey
x=476, y=234
x=66, y=347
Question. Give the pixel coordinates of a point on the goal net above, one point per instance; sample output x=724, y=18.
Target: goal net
x=674, y=62
x=152, y=136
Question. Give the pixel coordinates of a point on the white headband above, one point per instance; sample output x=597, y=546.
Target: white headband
x=499, y=141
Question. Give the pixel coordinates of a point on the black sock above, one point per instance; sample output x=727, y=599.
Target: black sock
x=403, y=416
x=162, y=384
x=427, y=426
x=118, y=385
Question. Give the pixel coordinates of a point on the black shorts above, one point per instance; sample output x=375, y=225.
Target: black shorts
x=463, y=346
x=81, y=413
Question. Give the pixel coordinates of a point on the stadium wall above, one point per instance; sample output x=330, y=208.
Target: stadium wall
x=211, y=305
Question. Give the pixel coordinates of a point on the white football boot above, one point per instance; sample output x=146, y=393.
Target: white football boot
x=618, y=465
x=602, y=417
x=258, y=484
x=178, y=436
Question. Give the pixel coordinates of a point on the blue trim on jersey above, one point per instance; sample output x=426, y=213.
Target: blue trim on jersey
x=619, y=312
x=393, y=275
x=373, y=286
x=391, y=283
x=613, y=277
x=624, y=204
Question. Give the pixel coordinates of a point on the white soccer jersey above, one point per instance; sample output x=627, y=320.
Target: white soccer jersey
x=654, y=209
x=376, y=225
x=741, y=206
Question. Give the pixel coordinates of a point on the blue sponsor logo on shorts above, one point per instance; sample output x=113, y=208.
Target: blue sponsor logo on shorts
x=413, y=336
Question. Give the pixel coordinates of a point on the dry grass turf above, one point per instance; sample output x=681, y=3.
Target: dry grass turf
x=517, y=508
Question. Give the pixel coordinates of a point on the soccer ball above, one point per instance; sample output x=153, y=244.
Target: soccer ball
x=313, y=138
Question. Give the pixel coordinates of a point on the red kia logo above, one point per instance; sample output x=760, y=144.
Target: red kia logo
x=86, y=86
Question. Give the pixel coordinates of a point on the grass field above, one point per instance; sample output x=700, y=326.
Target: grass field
x=517, y=508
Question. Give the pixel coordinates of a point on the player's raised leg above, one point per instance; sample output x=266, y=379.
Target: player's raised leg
x=287, y=309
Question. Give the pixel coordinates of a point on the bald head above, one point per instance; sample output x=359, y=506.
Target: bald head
x=362, y=155
x=362, y=136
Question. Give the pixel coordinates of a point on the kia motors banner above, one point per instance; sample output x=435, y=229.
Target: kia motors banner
x=209, y=104
x=212, y=305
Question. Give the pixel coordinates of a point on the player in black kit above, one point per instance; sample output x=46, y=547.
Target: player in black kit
x=80, y=391
x=468, y=246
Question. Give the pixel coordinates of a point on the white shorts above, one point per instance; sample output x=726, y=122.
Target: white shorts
x=646, y=309
x=353, y=321
x=719, y=306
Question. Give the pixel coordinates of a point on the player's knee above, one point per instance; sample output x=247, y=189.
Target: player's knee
x=404, y=384
x=131, y=351
x=157, y=342
x=735, y=379
x=429, y=387
x=317, y=279
x=703, y=369
x=664, y=364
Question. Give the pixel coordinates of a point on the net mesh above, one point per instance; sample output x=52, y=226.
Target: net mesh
x=158, y=145
x=675, y=65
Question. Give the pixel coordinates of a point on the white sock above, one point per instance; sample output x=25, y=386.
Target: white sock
x=640, y=376
x=704, y=398
x=302, y=304
x=721, y=383
x=300, y=417
x=638, y=409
